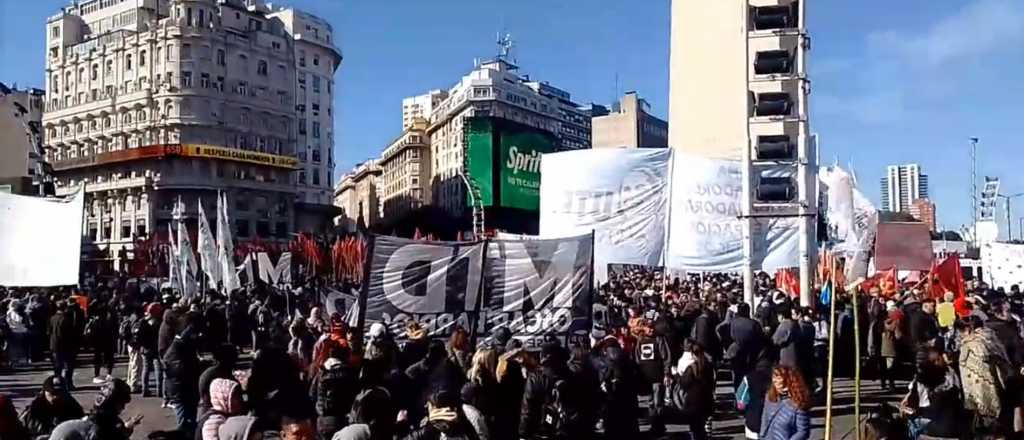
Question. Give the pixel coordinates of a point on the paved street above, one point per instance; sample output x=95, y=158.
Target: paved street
x=23, y=385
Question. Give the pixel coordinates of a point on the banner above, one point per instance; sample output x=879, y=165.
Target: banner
x=619, y=194
x=539, y=289
x=852, y=220
x=173, y=150
x=435, y=283
x=536, y=288
x=40, y=240
x=1003, y=263
x=706, y=233
x=274, y=275
x=905, y=246
x=207, y=247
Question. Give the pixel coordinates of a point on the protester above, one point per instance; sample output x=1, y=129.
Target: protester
x=17, y=334
x=372, y=417
x=985, y=369
x=552, y=386
x=146, y=332
x=10, y=427
x=225, y=401
x=933, y=404
x=64, y=340
x=101, y=332
x=51, y=407
x=224, y=358
x=786, y=408
x=182, y=384
x=104, y=422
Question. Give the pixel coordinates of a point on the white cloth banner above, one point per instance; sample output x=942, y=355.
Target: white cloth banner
x=705, y=232
x=619, y=194
x=207, y=247
x=226, y=248
x=40, y=240
x=1003, y=264
x=274, y=275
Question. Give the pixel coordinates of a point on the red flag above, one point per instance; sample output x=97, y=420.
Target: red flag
x=885, y=280
x=948, y=276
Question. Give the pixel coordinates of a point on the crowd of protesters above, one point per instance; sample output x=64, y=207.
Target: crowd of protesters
x=668, y=343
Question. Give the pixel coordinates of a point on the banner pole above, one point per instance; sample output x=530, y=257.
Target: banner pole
x=856, y=365
x=479, y=300
x=361, y=320
x=831, y=362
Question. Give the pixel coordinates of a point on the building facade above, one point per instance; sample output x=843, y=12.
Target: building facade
x=149, y=101
x=316, y=61
x=420, y=107
x=23, y=166
x=496, y=89
x=902, y=185
x=356, y=196
x=924, y=211
x=630, y=125
x=404, y=183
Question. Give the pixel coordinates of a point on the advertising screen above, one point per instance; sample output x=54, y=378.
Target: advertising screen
x=503, y=159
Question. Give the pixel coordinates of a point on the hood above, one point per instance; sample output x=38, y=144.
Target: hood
x=236, y=428
x=221, y=392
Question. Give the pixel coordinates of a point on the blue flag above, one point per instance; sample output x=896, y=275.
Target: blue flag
x=826, y=293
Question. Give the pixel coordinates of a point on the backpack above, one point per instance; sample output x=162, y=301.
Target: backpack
x=335, y=392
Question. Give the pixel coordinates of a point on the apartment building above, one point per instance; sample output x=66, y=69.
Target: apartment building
x=420, y=107
x=495, y=88
x=152, y=100
x=902, y=185
x=404, y=182
x=357, y=196
x=23, y=166
x=316, y=60
x=629, y=125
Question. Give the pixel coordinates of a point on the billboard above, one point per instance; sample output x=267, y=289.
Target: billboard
x=503, y=159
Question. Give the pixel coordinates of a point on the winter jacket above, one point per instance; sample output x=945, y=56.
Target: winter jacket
x=703, y=331
x=171, y=325
x=787, y=339
x=700, y=391
x=236, y=428
x=748, y=336
x=222, y=407
x=782, y=420
x=103, y=426
x=181, y=366
x=146, y=332
x=1007, y=332
x=64, y=334
x=335, y=390
x=538, y=392
x=425, y=378
x=216, y=371
x=923, y=327
x=654, y=357
x=40, y=417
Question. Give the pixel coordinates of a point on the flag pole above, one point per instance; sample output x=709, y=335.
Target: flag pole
x=831, y=357
x=856, y=365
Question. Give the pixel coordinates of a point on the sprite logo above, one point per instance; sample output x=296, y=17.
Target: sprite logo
x=525, y=162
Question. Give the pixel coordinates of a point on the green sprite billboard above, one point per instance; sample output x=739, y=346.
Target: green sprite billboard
x=503, y=160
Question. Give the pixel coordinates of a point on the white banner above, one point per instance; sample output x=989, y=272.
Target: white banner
x=40, y=240
x=619, y=194
x=852, y=219
x=705, y=232
x=1003, y=264
x=274, y=275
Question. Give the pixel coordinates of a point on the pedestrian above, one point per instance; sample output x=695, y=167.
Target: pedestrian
x=130, y=338
x=786, y=414
x=448, y=420
x=225, y=402
x=101, y=332
x=889, y=345
x=653, y=357
x=17, y=334
x=181, y=363
x=437, y=371
x=481, y=388
x=51, y=407
x=550, y=407
x=747, y=338
x=984, y=370
x=335, y=385
x=933, y=405
x=372, y=417
x=104, y=422
x=225, y=356
x=146, y=332
x=64, y=340
x=692, y=393
x=458, y=348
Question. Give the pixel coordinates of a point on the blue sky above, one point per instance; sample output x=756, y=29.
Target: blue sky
x=892, y=82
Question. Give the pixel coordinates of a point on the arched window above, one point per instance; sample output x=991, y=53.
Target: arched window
x=141, y=116
x=261, y=68
x=95, y=72
x=127, y=118
x=142, y=59
x=81, y=74
x=128, y=62
x=220, y=57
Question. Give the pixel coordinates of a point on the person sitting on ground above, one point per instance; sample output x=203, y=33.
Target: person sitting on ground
x=51, y=407
x=10, y=427
x=104, y=422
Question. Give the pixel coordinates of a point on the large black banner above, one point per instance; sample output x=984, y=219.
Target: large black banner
x=536, y=288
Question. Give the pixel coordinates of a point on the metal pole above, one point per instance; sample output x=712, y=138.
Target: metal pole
x=974, y=187
x=807, y=189
x=1009, y=225
x=746, y=208
x=856, y=365
x=831, y=363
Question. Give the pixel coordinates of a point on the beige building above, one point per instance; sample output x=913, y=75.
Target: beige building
x=629, y=125
x=404, y=183
x=356, y=195
x=23, y=167
x=495, y=88
x=152, y=100
x=420, y=107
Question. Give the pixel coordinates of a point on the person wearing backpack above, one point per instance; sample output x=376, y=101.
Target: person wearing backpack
x=334, y=389
x=653, y=357
x=621, y=382
x=550, y=408
x=692, y=393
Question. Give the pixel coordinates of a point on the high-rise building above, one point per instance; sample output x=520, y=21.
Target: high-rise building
x=356, y=195
x=496, y=89
x=316, y=60
x=924, y=211
x=152, y=100
x=420, y=107
x=23, y=167
x=739, y=91
x=902, y=185
x=629, y=125
x=404, y=183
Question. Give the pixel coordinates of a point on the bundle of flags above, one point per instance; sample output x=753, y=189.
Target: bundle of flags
x=347, y=256
x=309, y=253
x=831, y=274
x=788, y=280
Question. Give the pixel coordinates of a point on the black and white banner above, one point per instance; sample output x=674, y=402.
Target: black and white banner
x=536, y=288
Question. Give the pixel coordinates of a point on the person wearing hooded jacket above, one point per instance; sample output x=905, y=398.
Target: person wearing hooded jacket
x=372, y=417
x=104, y=422
x=653, y=356
x=621, y=382
x=239, y=428
x=225, y=356
x=51, y=407
x=448, y=419
x=540, y=391
x=225, y=402
x=334, y=388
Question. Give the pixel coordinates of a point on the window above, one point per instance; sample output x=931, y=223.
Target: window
x=141, y=115
x=302, y=177
x=106, y=231
x=128, y=62
x=92, y=231
x=55, y=33
x=186, y=79
x=276, y=45
x=140, y=228
x=316, y=84
x=316, y=60
x=142, y=59
x=126, y=229
x=242, y=228
x=242, y=88
x=204, y=80
x=316, y=130
x=316, y=176
x=188, y=17
x=186, y=51
x=202, y=17
x=220, y=57
x=302, y=58
x=316, y=156
x=261, y=68
x=302, y=126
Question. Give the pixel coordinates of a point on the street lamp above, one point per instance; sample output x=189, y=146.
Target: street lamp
x=1009, y=224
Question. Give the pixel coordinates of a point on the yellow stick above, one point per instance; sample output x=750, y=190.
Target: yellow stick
x=856, y=365
x=831, y=352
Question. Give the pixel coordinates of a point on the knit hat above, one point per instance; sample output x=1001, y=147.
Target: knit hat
x=54, y=385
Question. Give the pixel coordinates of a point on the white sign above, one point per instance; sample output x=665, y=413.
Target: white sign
x=1003, y=264
x=40, y=240
x=619, y=194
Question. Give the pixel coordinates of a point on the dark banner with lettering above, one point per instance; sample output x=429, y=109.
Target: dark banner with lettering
x=536, y=288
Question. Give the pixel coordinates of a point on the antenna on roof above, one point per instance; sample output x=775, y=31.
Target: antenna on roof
x=505, y=46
